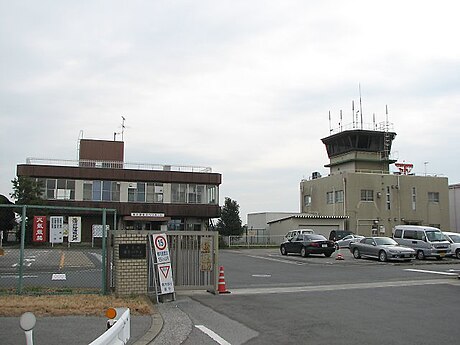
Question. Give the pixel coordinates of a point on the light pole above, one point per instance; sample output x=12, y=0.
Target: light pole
x=425, y=163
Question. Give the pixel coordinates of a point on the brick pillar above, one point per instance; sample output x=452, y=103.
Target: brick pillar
x=130, y=264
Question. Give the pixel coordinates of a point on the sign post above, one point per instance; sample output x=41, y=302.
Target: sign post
x=162, y=262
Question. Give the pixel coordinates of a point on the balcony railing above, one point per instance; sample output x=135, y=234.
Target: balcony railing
x=116, y=165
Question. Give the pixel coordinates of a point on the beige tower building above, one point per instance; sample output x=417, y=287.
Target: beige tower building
x=361, y=186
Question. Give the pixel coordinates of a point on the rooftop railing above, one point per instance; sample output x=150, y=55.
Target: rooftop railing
x=116, y=165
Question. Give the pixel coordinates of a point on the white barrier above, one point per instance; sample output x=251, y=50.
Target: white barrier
x=120, y=331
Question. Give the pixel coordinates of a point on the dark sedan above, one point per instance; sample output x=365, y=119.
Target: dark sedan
x=306, y=244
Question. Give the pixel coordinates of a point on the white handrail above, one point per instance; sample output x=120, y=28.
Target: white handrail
x=119, y=333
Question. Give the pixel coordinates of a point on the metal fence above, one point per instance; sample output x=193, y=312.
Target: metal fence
x=52, y=266
x=254, y=241
x=194, y=256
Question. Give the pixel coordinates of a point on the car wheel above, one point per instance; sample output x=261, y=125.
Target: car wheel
x=356, y=254
x=283, y=250
x=457, y=253
x=303, y=252
x=382, y=256
x=420, y=255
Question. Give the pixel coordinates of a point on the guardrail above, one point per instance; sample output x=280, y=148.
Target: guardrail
x=118, y=332
x=120, y=328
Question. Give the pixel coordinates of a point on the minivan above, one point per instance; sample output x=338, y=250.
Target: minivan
x=293, y=233
x=454, y=239
x=427, y=241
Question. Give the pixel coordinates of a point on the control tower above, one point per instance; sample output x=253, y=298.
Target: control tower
x=359, y=150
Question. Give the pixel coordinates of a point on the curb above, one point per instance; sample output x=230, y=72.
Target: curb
x=156, y=325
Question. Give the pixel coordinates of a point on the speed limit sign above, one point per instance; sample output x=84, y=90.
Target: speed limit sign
x=161, y=248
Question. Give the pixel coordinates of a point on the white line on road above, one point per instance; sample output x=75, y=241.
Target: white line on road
x=212, y=335
x=322, y=288
x=277, y=260
x=262, y=275
x=17, y=277
x=432, y=272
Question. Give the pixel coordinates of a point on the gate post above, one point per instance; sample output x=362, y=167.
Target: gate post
x=21, y=253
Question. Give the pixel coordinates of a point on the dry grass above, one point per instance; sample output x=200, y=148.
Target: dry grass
x=60, y=305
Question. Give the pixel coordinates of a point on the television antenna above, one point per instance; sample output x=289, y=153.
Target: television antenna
x=123, y=119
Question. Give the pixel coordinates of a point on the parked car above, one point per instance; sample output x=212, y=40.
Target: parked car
x=454, y=239
x=345, y=242
x=336, y=235
x=306, y=244
x=293, y=233
x=382, y=248
x=426, y=240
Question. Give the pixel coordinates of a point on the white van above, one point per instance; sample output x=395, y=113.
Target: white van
x=293, y=233
x=454, y=239
x=427, y=241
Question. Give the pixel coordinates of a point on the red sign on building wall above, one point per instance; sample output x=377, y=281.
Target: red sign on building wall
x=39, y=233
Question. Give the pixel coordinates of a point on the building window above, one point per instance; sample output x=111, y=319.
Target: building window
x=178, y=192
x=136, y=192
x=154, y=192
x=338, y=196
x=433, y=196
x=101, y=191
x=367, y=195
x=87, y=190
x=388, y=198
x=329, y=197
x=58, y=189
x=414, y=198
x=176, y=224
x=212, y=194
x=307, y=200
x=200, y=194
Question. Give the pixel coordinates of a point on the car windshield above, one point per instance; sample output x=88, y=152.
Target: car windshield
x=455, y=238
x=383, y=241
x=314, y=237
x=434, y=236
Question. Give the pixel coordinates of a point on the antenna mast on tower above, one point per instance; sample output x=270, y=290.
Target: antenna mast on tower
x=123, y=119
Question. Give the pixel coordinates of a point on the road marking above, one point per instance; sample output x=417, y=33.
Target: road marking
x=61, y=262
x=212, y=335
x=322, y=288
x=277, y=260
x=432, y=272
x=58, y=276
x=17, y=277
x=262, y=275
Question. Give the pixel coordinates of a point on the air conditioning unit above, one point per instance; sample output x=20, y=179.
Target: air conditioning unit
x=132, y=185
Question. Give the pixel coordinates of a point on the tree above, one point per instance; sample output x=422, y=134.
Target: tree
x=26, y=191
x=7, y=216
x=229, y=223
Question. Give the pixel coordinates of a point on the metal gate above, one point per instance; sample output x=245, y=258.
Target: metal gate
x=194, y=260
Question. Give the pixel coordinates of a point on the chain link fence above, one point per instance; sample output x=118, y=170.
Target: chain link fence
x=56, y=250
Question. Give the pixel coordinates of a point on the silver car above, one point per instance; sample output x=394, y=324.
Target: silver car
x=382, y=248
x=345, y=242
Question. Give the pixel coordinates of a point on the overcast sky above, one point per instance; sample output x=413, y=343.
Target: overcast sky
x=244, y=87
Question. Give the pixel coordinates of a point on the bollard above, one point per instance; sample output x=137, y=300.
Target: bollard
x=27, y=323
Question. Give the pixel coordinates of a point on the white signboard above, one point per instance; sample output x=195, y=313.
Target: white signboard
x=160, y=243
x=165, y=275
x=97, y=230
x=153, y=215
x=56, y=229
x=74, y=229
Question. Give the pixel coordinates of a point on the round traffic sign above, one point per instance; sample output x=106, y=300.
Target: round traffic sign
x=160, y=242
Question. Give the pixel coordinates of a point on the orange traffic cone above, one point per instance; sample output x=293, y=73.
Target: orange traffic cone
x=221, y=284
x=339, y=255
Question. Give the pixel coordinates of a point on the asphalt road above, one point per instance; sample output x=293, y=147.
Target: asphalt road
x=316, y=300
